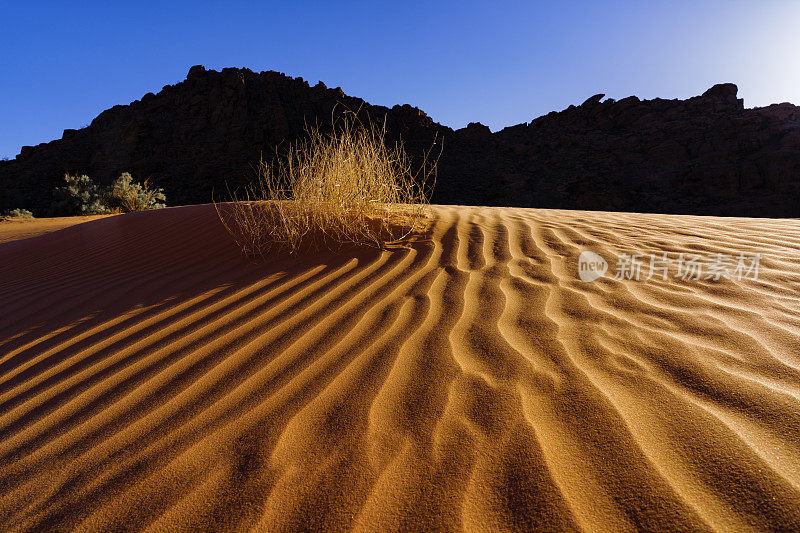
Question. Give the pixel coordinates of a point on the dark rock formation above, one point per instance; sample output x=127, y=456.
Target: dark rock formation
x=704, y=155
x=197, y=137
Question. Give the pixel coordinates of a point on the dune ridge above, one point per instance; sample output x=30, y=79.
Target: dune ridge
x=151, y=378
x=13, y=229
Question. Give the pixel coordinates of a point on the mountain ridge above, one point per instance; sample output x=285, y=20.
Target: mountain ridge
x=703, y=155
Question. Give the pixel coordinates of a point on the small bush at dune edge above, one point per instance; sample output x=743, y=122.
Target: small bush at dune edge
x=79, y=196
x=82, y=196
x=19, y=213
x=330, y=192
x=127, y=196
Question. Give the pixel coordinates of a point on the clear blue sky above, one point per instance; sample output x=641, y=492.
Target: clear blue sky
x=500, y=63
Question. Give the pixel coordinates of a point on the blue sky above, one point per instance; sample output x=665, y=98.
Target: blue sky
x=500, y=63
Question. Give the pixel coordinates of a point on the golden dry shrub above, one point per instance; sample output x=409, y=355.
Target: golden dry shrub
x=331, y=191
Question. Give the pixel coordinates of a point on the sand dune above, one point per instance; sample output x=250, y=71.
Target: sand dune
x=13, y=229
x=151, y=378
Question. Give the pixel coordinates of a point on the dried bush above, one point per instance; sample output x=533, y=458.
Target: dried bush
x=333, y=190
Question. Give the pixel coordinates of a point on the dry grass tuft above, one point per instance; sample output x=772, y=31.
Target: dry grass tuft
x=330, y=192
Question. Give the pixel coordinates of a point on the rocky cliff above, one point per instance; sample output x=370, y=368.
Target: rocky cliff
x=704, y=155
x=196, y=137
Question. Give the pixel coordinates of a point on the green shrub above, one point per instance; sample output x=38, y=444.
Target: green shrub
x=126, y=196
x=79, y=196
x=20, y=213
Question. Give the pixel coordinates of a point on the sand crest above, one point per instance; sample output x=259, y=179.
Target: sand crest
x=13, y=229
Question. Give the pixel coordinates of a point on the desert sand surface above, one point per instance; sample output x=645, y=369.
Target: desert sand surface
x=151, y=378
x=13, y=229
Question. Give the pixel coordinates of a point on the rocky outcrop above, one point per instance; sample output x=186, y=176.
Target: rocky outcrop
x=197, y=137
x=704, y=155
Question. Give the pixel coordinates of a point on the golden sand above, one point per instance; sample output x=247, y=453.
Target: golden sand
x=153, y=378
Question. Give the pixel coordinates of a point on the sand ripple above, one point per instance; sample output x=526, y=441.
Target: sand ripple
x=151, y=378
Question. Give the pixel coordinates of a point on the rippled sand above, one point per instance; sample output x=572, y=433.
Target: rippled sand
x=150, y=377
